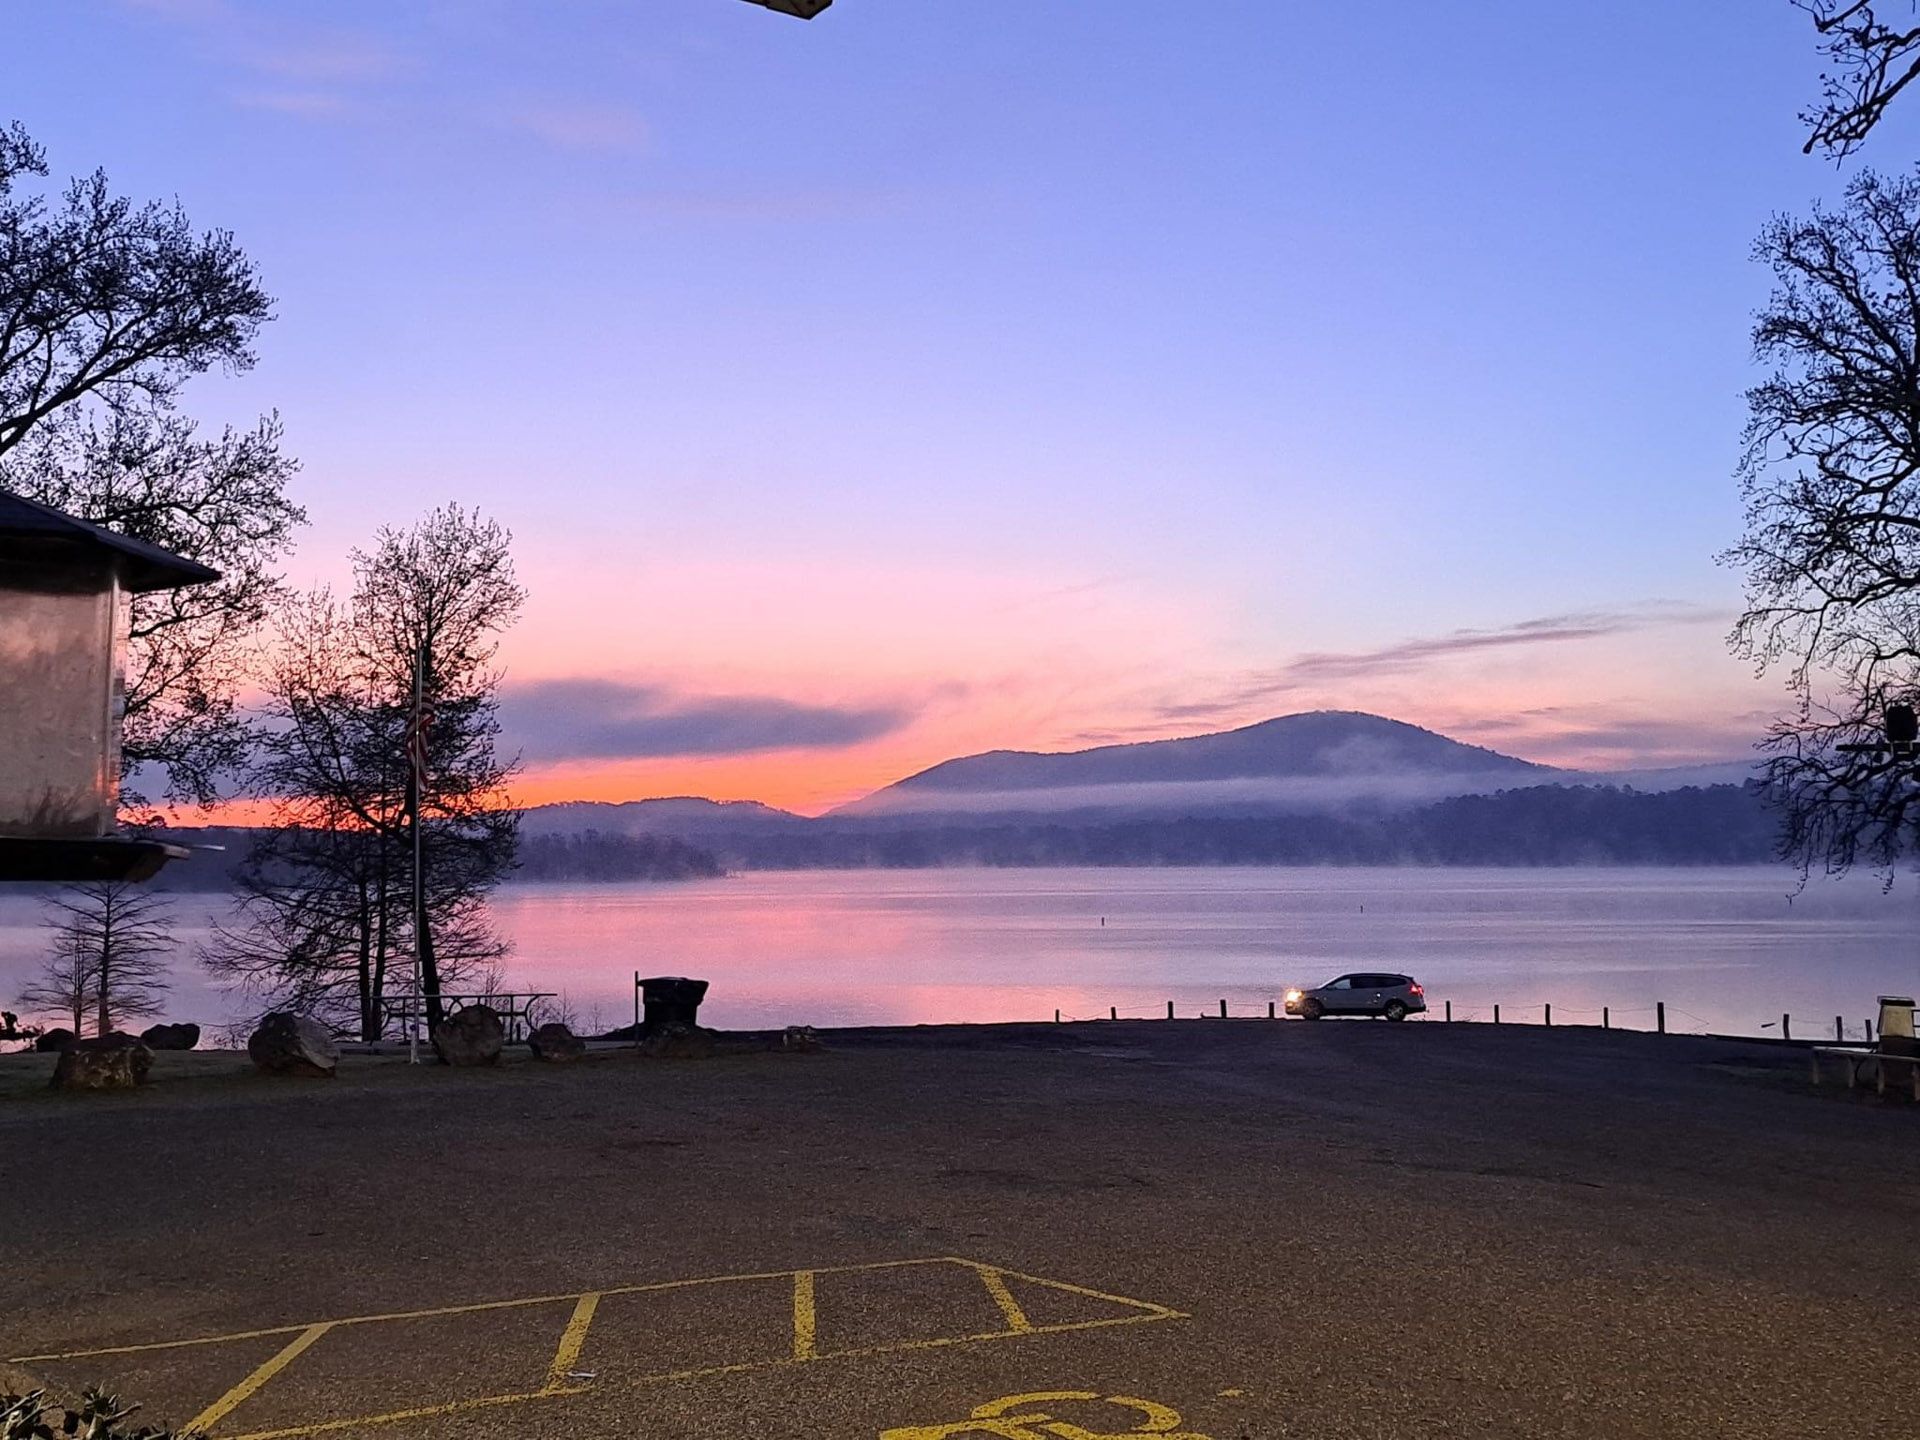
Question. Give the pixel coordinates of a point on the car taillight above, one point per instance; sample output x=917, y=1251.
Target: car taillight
x=1418, y=989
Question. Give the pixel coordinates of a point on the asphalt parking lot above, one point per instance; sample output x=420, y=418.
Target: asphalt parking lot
x=1196, y=1229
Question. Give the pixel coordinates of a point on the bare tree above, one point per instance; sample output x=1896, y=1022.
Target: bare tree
x=1872, y=62
x=102, y=297
x=1831, y=547
x=326, y=914
x=110, y=946
x=106, y=308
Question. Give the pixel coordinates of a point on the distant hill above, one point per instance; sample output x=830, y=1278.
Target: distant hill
x=1323, y=760
x=684, y=816
x=1330, y=787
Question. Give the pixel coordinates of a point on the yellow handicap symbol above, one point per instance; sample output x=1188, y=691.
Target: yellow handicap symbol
x=1018, y=1417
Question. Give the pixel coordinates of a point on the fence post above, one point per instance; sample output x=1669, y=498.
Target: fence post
x=1869, y=1025
x=1270, y=1010
x=1496, y=1014
x=1786, y=1027
x=1223, y=1009
x=1549, y=1009
x=1169, y=1009
x=1606, y=1018
x=1056, y=1017
x=1839, y=1030
x=1449, y=1012
x=1113, y=1012
x=1660, y=1015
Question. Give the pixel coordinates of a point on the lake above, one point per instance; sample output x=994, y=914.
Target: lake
x=1726, y=949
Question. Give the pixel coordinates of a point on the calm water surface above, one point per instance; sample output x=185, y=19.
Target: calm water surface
x=1725, y=948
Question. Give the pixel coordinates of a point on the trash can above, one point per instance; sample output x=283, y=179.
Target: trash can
x=670, y=1000
x=1896, y=1026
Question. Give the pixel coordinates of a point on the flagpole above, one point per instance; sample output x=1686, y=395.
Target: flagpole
x=419, y=877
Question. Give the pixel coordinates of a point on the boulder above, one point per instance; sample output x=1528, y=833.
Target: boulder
x=472, y=1035
x=184, y=1036
x=289, y=1044
x=677, y=1041
x=102, y=1064
x=554, y=1041
x=56, y=1039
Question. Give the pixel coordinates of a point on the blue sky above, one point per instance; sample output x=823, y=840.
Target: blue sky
x=1037, y=371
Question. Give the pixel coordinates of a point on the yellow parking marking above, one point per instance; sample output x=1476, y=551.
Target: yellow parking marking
x=571, y=1339
x=270, y=1368
x=1017, y=1417
x=803, y=1316
x=997, y=1287
x=392, y=1417
x=486, y=1305
x=805, y=1339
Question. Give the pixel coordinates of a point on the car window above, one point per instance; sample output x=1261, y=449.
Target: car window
x=1345, y=982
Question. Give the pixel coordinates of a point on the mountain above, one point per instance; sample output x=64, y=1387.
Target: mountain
x=685, y=817
x=1322, y=760
x=1331, y=787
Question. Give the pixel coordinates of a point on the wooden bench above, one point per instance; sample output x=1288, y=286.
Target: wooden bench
x=1857, y=1060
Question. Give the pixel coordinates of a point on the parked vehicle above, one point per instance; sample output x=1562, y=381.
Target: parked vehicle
x=1393, y=997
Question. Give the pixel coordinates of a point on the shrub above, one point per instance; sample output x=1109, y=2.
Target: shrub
x=29, y=1417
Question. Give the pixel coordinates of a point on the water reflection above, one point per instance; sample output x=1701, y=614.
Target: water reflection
x=1723, y=948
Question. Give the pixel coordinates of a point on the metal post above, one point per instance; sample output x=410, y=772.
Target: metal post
x=1449, y=1012
x=1660, y=1015
x=419, y=879
x=1113, y=1012
x=1056, y=1017
x=636, y=1010
x=1786, y=1027
x=1270, y=1010
x=1549, y=1016
x=1839, y=1030
x=1606, y=1018
x=1496, y=1014
x=1223, y=1009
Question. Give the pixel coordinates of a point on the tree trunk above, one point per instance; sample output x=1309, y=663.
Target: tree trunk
x=369, y=1001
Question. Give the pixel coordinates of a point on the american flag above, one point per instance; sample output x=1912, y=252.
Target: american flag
x=418, y=724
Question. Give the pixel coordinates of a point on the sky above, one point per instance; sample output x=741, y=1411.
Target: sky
x=949, y=375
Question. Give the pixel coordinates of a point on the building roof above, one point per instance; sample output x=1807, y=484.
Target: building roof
x=30, y=530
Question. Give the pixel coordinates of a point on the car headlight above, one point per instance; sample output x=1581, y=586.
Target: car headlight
x=1292, y=995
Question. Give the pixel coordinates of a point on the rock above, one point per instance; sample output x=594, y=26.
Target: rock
x=289, y=1044
x=554, y=1041
x=58, y=1038
x=472, y=1035
x=677, y=1041
x=103, y=1064
x=800, y=1038
x=184, y=1036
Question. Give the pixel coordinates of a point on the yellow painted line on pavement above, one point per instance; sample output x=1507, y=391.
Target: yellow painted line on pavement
x=425, y=1412
x=571, y=1341
x=805, y=1347
x=706, y=1372
x=803, y=1316
x=227, y=1402
x=479, y=1308
x=997, y=1287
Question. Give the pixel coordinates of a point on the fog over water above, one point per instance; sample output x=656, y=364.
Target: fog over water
x=1725, y=948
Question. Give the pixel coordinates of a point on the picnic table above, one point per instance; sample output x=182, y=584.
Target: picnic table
x=516, y=1008
x=1854, y=1061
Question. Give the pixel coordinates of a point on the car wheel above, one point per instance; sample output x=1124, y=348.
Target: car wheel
x=1395, y=1010
x=1311, y=1010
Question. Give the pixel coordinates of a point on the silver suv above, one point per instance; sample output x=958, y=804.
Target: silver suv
x=1372, y=993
